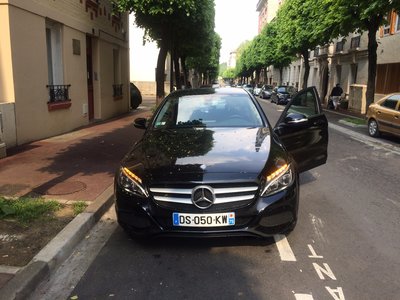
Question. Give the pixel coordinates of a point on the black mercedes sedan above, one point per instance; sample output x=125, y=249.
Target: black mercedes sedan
x=209, y=164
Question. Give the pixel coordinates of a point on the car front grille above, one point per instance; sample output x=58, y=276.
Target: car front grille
x=227, y=196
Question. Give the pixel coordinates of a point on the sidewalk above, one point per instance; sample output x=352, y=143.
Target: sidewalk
x=337, y=121
x=76, y=166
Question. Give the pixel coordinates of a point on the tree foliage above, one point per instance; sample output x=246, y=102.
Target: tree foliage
x=305, y=24
x=206, y=59
x=184, y=28
x=366, y=15
x=302, y=25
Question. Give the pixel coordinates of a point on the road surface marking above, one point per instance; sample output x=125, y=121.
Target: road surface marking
x=284, y=249
x=325, y=270
x=313, y=253
x=303, y=297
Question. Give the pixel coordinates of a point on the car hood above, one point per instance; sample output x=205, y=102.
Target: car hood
x=198, y=154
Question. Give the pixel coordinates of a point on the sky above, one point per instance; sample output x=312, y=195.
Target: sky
x=235, y=21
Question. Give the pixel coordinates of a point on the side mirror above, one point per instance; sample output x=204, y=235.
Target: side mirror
x=140, y=123
x=295, y=118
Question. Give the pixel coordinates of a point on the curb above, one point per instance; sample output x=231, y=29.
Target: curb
x=344, y=122
x=57, y=250
x=376, y=143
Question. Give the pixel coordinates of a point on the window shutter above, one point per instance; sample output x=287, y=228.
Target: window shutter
x=393, y=22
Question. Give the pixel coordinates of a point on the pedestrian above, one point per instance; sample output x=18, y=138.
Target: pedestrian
x=336, y=94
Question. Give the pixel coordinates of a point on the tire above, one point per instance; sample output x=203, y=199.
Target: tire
x=373, y=128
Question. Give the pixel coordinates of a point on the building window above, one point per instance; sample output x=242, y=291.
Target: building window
x=339, y=46
x=355, y=42
x=386, y=27
x=54, y=53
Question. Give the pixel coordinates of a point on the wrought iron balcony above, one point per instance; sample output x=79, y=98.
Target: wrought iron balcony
x=58, y=93
x=117, y=90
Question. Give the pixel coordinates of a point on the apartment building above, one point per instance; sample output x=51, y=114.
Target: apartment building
x=345, y=61
x=63, y=65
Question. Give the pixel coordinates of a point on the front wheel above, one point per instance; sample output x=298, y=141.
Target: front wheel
x=373, y=129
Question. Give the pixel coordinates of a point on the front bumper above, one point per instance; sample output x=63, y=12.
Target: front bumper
x=264, y=217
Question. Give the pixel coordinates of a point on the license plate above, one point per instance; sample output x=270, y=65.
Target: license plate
x=203, y=220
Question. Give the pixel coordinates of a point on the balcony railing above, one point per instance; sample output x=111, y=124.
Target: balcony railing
x=355, y=42
x=58, y=93
x=117, y=90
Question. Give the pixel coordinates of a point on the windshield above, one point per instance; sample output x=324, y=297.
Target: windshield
x=210, y=110
x=282, y=89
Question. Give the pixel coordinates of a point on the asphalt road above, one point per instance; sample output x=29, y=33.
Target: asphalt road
x=345, y=245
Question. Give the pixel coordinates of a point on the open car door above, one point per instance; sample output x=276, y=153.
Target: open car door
x=303, y=129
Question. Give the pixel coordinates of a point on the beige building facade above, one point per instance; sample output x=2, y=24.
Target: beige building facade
x=63, y=65
x=345, y=61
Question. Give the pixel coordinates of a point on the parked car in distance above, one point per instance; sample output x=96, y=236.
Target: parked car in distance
x=257, y=90
x=136, y=96
x=266, y=91
x=282, y=94
x=209, y=164
x=248, y=87
x=384, y=116
x=215, y=84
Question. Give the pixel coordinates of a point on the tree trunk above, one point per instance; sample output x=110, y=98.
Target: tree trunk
x=177, y=72
x=162, y=54
x=306, y=68
x=258, y=71
x=184, y=70
x=372, y=61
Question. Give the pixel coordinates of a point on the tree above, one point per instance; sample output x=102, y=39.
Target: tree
x=272, y=52
x=222, y=68
x=305, y=24
x=206, y=59
x=240, y=68
x=366, y=15
x=171, y=23
x=229, y=73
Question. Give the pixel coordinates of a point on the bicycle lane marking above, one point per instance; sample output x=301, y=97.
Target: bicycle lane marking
x=285, y=251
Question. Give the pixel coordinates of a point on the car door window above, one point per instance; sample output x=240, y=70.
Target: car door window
x=390, y=103
x=304, y=103
x=303, y=129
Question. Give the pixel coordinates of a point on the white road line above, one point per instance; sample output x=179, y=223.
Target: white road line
x=303, y=297
x=284, y=249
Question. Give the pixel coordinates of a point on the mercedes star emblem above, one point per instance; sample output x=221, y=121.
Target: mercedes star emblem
x=203, y=196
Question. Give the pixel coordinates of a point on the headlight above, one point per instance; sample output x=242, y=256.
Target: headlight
x=278, y=180
x=131, y=183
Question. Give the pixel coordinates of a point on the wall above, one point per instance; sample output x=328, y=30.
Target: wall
x=23, y=64
x=6, y=70
x=389, y=49
x=8, y=134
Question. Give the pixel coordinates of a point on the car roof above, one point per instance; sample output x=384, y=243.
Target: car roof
x=208, y=91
